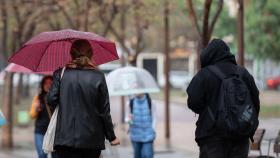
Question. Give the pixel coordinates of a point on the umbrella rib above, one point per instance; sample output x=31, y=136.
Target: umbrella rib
x=42, y=56
x=107, y=50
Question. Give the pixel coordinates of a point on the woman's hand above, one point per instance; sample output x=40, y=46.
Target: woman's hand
x=115, y=142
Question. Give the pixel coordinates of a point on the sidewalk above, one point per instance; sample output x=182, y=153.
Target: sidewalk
x=181, y=144
x=24, y=146
x=119, y=152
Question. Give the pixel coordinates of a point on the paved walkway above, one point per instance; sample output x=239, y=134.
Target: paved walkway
x=181, y=144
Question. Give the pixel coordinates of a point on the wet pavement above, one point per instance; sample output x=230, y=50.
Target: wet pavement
x=180, y=145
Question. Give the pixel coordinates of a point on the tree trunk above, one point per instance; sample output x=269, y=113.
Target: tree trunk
x=4, y=16
x=204, y=36
x=240, y=33
x=166, y=69
x=7, y=135
x=26, y=87
x=87, y=9
x=19, y=89
x=122, y=34
x=199, y=49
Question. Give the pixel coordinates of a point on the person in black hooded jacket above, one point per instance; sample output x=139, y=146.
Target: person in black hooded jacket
x=204, y=91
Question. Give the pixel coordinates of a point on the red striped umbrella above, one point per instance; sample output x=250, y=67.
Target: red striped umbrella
x=51, y=50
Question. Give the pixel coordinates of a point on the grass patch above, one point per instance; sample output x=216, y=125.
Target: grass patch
x=270, y=111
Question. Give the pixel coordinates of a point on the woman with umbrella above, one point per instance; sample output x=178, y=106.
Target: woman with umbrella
x=41, y=112
x=84, y=118
x=79, y=89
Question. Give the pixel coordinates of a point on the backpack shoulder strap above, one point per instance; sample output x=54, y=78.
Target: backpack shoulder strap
x=149, y=101
x=240, y=71
x=131, y=105
x=214, y=69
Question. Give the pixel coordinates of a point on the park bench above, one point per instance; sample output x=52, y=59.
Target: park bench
x=277, y=145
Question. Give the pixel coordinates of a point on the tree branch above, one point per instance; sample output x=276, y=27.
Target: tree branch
x=120, y=39
x=107, y=21
x=16, y=13
x=4, y=15
x=205, y=25
x=215, y=18
x=78, y=12
x=193, y=17
x=87, y=9
x=32, y=25
x=66, y=15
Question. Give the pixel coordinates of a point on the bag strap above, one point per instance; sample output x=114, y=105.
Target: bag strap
x=214, y=69
x=48, y=109
x=62, y=73
x=149, y=102
x=47, y=106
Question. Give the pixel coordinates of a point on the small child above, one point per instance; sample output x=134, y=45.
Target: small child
x=142, y=125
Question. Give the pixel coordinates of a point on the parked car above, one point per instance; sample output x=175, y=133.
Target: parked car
x=273, y=83
x=180, y=79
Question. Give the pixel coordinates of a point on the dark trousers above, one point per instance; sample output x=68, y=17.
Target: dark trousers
x=224, y=149
x=68, y=152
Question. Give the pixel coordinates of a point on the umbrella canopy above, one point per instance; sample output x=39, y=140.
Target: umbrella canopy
x=131, y=80
x=14, y=68
x=17, y=69
x=20, y=69
x=50, y=50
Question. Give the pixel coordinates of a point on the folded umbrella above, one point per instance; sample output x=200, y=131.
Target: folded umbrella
x=50, y=50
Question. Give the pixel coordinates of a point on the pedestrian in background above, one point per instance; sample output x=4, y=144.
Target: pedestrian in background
x=227, y=100
x=142, y=122
x=41, y=112
x=84, y=119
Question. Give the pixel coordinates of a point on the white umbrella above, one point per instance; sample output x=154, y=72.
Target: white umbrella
x=131, y=80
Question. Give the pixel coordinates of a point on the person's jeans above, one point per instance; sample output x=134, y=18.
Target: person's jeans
x=39, y=145
x=224, y=149
x=143, y=150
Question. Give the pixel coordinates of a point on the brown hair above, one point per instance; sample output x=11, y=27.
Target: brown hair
x=81, y=53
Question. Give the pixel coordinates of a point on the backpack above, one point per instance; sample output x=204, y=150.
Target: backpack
x=236, y=115
x=149, y=104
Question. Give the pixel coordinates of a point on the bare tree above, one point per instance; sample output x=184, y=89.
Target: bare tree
x=87, y=10
x=205, y=31
x=26, y=22
x=4, y=18
x=75, y=13
x=66, y=14
x=132, y=49
x=167, y=68
x=240, y=33
x=7, y=98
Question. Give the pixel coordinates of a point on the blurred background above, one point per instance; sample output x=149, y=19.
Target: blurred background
x=164, y=37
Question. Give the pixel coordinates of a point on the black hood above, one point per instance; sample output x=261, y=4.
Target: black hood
x=216, y=51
